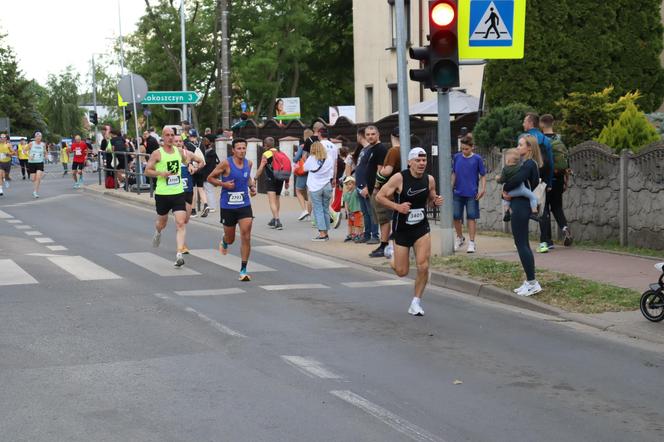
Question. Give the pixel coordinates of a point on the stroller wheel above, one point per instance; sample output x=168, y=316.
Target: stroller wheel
x=652, y=305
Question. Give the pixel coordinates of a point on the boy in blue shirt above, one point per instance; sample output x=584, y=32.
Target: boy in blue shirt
x=469, y=185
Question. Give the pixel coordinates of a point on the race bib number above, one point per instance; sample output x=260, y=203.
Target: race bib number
x=236, y=198
x=185, y=182
x=173, y=180
x=78, y=151
x=415, y=216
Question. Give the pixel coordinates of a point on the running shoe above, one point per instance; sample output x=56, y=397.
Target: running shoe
x=416, y=309
x=303, y=216
x=543, y=248
x=530, y=289
x=320, y=238
x=518, y=289
x=223, y=247
x=471, y=247
x=389, y=250
x=272, y=223
x=179, y=260
x=377, y=253
x=193, y=213
x=458, y=242
x=278, y=225
x=205, y=211
x=244, y=276
x=156, y=239
x=568, y=237
x=35, y=195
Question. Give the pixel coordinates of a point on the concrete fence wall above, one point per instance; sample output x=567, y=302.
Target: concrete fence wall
x=610, y=197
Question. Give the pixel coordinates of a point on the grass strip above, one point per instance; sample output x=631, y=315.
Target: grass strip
x=570, y=293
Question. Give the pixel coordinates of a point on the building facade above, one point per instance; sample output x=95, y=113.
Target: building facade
x=374, y=41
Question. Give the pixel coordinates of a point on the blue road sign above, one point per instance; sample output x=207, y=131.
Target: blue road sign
x=491, y=23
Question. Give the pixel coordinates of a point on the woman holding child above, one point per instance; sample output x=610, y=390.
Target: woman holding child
x=528, y=175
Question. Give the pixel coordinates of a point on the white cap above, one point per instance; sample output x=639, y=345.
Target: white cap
x=416, y=152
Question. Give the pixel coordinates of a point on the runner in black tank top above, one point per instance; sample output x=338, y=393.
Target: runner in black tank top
x=413, y=190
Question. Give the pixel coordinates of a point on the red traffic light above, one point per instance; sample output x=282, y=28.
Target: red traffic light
x=443, y=14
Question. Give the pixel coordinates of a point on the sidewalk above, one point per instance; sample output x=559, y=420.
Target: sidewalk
x=617, y=269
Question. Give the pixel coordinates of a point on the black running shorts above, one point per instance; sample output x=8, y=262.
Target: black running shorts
x=230, y=217
x=407, y=238
x=189, y=197
x=166, y=203
x=77, y=166
x=34, y=167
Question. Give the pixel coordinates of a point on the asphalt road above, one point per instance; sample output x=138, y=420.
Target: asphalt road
x=101, y=342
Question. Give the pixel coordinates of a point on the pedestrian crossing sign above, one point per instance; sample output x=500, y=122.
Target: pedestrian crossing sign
x=491, y=29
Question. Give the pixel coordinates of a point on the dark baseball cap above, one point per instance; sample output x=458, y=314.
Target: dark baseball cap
x=193, y=133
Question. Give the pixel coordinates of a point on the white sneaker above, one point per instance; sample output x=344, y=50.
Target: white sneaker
x=530, y=289
x=303, y=216
x=156, y=239
x=389, y=250
x=471, y=247
x=415, y=309
x=458, y=242
x=521, y=287
x=179, y=260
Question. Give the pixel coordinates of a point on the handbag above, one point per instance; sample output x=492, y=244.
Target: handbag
x=540, y=193
x=299, y=168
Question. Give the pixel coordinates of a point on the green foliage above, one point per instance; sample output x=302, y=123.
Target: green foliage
x=630, y=131
x=501, y=126
x=61, y=106
x=18, y=96
x=584, y=115
x=584, y=46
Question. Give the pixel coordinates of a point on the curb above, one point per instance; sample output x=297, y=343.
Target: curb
x=454, y=282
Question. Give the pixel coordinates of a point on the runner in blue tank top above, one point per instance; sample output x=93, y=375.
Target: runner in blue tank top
x=237, y=186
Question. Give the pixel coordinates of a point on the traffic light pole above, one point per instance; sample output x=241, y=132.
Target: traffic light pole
x=445, y=173
x=402, y=84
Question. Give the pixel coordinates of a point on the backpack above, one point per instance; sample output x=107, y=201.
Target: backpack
x=281, y=165
x=110, y=182
x=560, y=155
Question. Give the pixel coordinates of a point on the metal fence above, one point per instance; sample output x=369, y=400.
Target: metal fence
x=133, y=180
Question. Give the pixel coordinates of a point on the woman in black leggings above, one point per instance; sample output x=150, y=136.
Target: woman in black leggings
x=529, y=175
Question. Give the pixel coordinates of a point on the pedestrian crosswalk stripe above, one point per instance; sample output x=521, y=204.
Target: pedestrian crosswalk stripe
x=229, y=261
x=303, y=259
x=57, y=248
x=156, y=264
x=210, y=292
x=44, y=240
x=23, y=227
x=5, y=215
x=14, y=221
x=310, y=367
x=33, y=233
x=12, y=274
x=83, y=269
x=383, y=283
x=282, y=287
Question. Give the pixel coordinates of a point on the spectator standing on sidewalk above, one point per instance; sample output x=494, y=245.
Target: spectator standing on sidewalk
x=301, y=180
x=469, y=186
x=274, y=186
x=531, y=126
x=554, y=199
x=319, y=182
x=211, y=161
x=381, y=215
x=361, y=181
x=528, y=175
x=193, y=145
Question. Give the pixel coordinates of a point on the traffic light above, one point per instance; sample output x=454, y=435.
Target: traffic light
x=443, y=43
x=127, y=113
x=423, y=74
x=93, y=118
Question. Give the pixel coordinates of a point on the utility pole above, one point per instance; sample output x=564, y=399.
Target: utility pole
x=183, y=56
x=402, y=83
x=124, y=121
x=445, y=172
x=224, y=68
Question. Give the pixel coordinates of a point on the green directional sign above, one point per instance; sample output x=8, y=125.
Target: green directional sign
x=171, y=97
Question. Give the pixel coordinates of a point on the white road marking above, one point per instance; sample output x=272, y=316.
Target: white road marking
x=369, y=284
x=33, y=233
x=229, y=261
x=5, y=215
x=42, y=255
x=14, y=221
x=301, y=258
x=276, y=288
x=83, y=269
x=387, y=417
x=156, y=264
x=210, y=292
x=44, y=240
x=310, y=367
x=23, y=227
x=216, y=325
x=12, y=274
x=162, y=296
x=57, y=248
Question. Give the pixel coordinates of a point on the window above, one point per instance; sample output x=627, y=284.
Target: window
x=393, y=22
x=370, y=105
x=394, y=96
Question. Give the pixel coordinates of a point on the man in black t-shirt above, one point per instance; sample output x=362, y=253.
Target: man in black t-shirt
x=379, y=213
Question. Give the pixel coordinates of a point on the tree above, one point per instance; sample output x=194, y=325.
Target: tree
x=501, y=126
x=18, y=96
x=630, y=131
x=583, y=46
x=61, y=108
